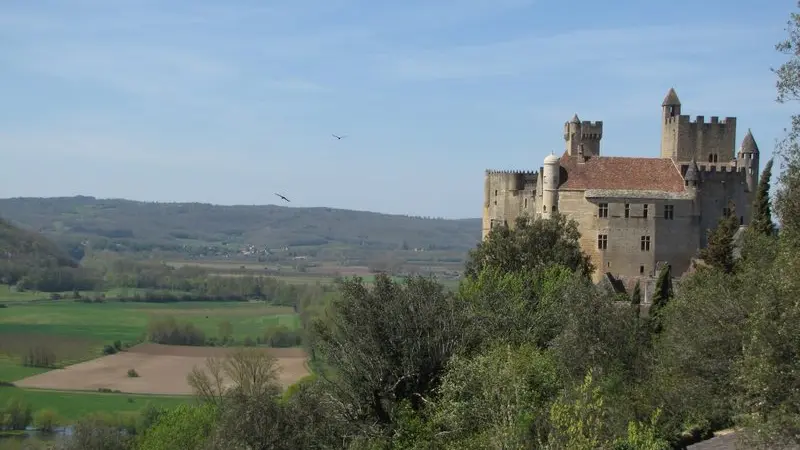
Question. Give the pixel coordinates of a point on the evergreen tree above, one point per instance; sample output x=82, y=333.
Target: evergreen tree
x=636, y=296
x=719, y=251
x=661, y=296
x=762, y=210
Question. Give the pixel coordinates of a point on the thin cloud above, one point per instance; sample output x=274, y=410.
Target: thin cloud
x=586, y=50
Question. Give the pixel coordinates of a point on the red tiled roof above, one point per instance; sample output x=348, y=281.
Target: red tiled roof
x=614, y=172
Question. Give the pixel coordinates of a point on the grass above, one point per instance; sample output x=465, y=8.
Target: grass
x=71, y=406
x=11, y=370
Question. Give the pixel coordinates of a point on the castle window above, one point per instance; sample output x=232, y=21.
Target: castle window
x=627, y=210
x=641, y=270
x=710, y=158
x=495, y=192
x=741, y=220
x=726, y=212
x=602, y=241
x=669, y=212
x=716, y=157
x=555, y=208
x=645, y=244
x=644, y=210
x=544, y=208
x=602, y=210
x=526, y=203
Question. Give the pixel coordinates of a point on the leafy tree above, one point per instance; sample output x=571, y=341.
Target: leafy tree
x=762, y=210
x=531, y=245
x=498, y=399
x=719, y=251
x=769, y=369
x=516, y=308
x=694, y=356
x=388, y=344
x=787, y=202
x=661, y=296
x=579, y=418
x=186, y=427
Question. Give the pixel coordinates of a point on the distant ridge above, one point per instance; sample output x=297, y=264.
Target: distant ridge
x=143, y=225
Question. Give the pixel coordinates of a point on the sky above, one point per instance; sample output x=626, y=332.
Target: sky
x=230, y=101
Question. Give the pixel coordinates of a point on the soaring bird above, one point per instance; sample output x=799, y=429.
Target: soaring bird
x=279, y=195
x=338, y=137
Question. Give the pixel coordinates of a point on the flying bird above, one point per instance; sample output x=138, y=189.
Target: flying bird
x=279, y=195
x=338, y=137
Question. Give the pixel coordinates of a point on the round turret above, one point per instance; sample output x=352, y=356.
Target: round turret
x=550, y=182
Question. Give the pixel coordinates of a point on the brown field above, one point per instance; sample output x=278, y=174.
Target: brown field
x=65, y=348
x=162, y=370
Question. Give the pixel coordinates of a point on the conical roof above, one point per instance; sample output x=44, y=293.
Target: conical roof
x=671, y=99
x=575, y=119
x=749, y=143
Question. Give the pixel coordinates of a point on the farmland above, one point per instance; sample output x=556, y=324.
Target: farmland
x=161, y=369
x=73, y=405
x=76, y=332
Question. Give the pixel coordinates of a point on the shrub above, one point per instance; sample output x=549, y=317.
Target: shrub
x=132, y=373
x=282, y=336
x=109, y=350
x=17, y=414
x=46, y=420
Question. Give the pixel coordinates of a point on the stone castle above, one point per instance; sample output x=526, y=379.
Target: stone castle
x=635, y=214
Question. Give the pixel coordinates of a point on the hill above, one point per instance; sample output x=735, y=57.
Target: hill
x=23, y=251
x=197, y=230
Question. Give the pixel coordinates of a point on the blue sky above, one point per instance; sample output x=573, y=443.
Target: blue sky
x=230, y=101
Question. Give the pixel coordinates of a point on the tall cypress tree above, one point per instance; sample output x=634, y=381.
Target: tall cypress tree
x=719, y=251
x=636, y=296
x=661, y=296
x=762, y=209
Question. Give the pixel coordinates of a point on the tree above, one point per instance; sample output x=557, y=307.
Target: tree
x=661, y=296
x=186, y=427
x=387, y=344
x=531, y=245
x=636, y=296
x=787, y=201
x=719, y=251
x=762, y=210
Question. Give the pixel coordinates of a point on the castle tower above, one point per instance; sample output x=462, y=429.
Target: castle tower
x=550, y=182
x=670, y=111
x=586, y=135
x=683, y=139
x=748, y=158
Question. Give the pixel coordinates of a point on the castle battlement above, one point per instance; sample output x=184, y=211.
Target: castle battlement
x=700, y=120
x=721, y=168
x=510, y=172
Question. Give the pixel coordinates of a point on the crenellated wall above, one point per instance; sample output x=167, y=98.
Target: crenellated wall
x=683, y=139
x=508, y=194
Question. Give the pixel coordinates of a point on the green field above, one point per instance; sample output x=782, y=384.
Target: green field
x=73, y=405
x=78, y=331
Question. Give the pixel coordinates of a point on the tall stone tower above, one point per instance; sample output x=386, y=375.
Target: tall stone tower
x=583, y=137
x=683, y=140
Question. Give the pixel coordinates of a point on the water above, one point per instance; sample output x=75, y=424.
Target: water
x=31, y=435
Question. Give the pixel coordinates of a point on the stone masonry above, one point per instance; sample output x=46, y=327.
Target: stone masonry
x=635, y=213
